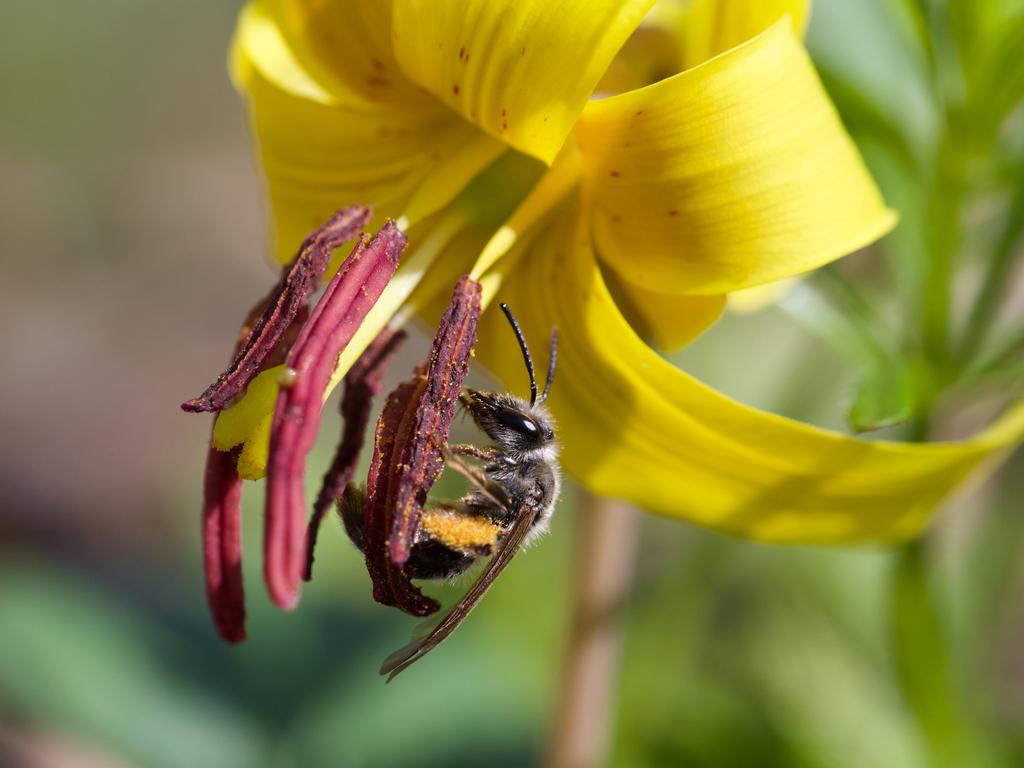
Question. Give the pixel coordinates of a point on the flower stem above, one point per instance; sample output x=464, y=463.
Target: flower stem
x=942, y=240
x=925, y=666
x=925, y=657
x=997, y=279
x=604, y=561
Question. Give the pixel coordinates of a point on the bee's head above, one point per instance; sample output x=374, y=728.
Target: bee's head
x=512, y=423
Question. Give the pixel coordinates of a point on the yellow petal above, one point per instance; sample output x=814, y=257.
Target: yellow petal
x=235, y=423
x=634, y=426
x=715, y=26
x=335, y=130
x=520, y=69
x=726, y=176
x=652, y=53
x=669, y=321
x=346, y=46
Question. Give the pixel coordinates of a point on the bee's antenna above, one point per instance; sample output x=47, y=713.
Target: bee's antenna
x=526, y=352
x=553, y=356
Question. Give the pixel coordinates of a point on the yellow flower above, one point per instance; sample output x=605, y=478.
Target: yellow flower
x=656, y=203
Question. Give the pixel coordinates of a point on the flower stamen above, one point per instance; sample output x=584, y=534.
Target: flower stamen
x=362, y=383
x=391, y=586
x=407, y=458
x=222, y=544
x=349, y=296
x=277, y=312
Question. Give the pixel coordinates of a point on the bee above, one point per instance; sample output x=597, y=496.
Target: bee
x=513, y=494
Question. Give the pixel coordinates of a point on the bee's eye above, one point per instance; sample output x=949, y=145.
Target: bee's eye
x=518, y=422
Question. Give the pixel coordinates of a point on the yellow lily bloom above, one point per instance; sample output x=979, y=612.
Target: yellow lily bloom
x=657, y=203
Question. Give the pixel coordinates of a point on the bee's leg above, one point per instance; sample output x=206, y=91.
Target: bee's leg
x=494, y=491
x=352, y=508
x=473, y=451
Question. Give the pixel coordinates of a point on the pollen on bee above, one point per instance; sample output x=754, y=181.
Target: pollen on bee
x=459, y=531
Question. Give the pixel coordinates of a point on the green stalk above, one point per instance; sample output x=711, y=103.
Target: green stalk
x=604, y=561
x=924, y=661
x=941, y=242
x=993, y=289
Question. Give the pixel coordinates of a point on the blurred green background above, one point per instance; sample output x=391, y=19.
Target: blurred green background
x=132, y=235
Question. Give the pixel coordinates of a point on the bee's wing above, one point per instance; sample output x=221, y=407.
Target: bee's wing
x=422, y=645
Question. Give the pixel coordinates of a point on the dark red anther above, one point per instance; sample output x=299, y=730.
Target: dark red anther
x=346, y=301
x=407, y=453
x=421, y=460
x=395, y=429
x=278, y=311
x=363, y=382
x=222, y=544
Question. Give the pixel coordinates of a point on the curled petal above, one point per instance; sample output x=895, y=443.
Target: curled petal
x=362, y=383
x=634, y=426
x=347, y=299
x=222, y=545
x=495, y=61
x=669, y=321
x=714, y=26
x=297, y=283
x=729, y=175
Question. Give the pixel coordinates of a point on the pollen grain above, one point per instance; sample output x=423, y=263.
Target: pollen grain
x=459, y=531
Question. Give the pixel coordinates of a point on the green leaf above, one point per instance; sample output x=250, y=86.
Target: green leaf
x=997, y=84
x=885, y=398
x=77, y=661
